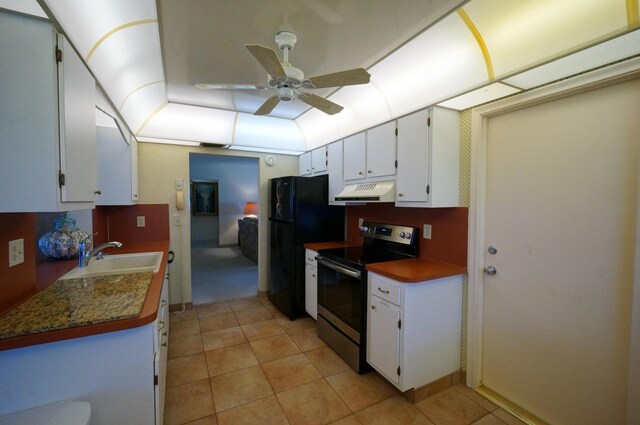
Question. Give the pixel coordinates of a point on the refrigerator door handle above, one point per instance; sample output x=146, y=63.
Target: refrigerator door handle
x=333, y=265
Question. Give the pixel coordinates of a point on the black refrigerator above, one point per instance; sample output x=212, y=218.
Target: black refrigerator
x=299, y=214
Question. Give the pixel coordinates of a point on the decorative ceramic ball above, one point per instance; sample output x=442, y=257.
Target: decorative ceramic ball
x=63, y=241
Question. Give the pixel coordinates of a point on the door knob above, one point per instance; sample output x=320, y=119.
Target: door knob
x=490, y=271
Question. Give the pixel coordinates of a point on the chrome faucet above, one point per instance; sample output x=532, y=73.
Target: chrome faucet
x=84, y=257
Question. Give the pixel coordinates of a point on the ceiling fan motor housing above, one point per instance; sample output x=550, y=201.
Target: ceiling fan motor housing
x=285, y=94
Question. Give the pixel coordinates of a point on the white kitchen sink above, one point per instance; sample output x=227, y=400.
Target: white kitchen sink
x=118, y=264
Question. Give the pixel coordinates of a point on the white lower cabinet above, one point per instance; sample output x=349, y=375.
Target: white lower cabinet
x=121, y=374
x=414, y=329
x=311, y=284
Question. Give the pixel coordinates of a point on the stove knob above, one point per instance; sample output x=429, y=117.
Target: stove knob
x=364, y=229
x=401, y=234
x=407, y=236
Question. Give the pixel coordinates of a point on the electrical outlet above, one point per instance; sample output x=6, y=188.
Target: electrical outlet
x=16, y=252
x=426, y=231
x=141, y=221
x=176, y=220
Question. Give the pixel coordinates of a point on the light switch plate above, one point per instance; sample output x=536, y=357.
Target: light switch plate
x=140, y=220
x=176, y=220
x=426, y=231
x=16, y=252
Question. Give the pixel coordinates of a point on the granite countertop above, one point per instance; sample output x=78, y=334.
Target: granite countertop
x=78, y=302
x=104, y=309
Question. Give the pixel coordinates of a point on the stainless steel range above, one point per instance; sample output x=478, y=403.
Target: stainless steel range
x=342, y=286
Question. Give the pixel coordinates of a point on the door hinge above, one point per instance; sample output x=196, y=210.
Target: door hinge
x=428, y=121
x=396, y=163
x=396, y=131
x=61, y=178
x=398, y=370
x=428, y=189
x=58, y=55
x=155, y=380
x=399, y=323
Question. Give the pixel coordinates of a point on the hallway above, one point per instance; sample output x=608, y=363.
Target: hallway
x=221, y=274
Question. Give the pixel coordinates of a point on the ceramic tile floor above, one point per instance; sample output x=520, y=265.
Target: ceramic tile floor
x=243, y=362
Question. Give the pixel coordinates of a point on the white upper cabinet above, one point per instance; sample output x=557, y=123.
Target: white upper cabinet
x=47, y=119
x=304, y=164
x=335, y=170
x=381, y=150
x=355, y=157
x=319, y=160
x=371, y=154
x=428, y=159
x=117, y=167
x=313, y=163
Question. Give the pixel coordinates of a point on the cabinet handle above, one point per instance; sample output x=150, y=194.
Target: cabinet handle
x=359, y=173
x=98, y=192
x=313, y=275
x=164, y=333
x=382, y=290
x=400, y=195
x=373, y=307
x=162, y=323
x=164, y=344
x=164, y=303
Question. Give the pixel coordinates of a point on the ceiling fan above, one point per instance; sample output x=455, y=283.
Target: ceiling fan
x=290, y=81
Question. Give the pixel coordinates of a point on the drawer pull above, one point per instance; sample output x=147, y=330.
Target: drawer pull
x=382, y=290
x=164, y=303
x=164, y=344
x=164, y=333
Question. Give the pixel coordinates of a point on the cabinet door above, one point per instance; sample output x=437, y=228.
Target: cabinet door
x=335, y=171
x=319, y=160
x=77, y=101
x=114, y=167
x=413, y=158
x=311, y=291
x=355, y=159
x=381, y=150
x=384, y=338
x=304, y=164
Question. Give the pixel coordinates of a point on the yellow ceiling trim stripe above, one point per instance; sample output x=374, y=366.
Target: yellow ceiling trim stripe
x=139, y=88
x=115, y=30
x=483, y=47
x=633, y=15
x=150, y=117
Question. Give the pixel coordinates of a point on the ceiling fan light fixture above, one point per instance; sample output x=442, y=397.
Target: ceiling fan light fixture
x=286, y=94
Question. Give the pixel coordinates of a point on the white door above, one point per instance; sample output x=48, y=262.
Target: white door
x=561, y=211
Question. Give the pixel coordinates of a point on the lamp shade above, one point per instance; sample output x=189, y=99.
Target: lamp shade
x=250, y=208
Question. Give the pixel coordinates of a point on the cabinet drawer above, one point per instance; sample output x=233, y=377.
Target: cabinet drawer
x=384, y=289
x=310, y=258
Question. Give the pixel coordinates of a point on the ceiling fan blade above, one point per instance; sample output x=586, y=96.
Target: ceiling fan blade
x=268, y=59
x=267, y=106
x=206, y=86
x=343, y=78
x=326, y=106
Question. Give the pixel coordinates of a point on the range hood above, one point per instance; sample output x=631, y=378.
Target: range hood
x=384, y=191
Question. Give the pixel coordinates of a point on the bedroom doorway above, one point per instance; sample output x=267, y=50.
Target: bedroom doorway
x=221, y=187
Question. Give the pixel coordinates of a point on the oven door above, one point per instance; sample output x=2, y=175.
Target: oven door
x=340, y=296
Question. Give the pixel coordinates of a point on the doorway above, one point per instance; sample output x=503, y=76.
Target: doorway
x=554, y=227
x=219, y=269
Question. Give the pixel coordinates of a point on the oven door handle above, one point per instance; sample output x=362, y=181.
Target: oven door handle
x=334, y=265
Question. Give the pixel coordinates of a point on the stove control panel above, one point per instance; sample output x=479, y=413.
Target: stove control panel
x=390, y=232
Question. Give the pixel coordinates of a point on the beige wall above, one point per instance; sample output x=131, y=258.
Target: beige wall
x=160, y=165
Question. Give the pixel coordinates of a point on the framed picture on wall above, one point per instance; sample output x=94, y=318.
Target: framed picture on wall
x=204, y=198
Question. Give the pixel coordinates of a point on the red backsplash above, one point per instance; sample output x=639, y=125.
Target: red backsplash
x=449, y=227
x=120, y=223
x=17, y=282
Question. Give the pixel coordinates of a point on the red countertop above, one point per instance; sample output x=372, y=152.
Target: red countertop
x=55, y=269
x=416, y=270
